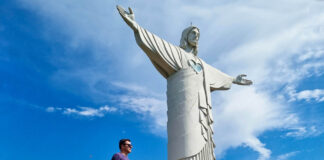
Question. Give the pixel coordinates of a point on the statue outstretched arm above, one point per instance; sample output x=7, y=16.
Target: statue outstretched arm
x=221, y=81
x=129, y=18
x=216, y=79
x=242, y=81
x=165, y=56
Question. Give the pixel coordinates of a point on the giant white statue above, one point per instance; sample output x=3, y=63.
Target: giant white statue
x=190, y=82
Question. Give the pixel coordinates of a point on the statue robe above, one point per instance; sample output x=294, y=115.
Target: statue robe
x=189, y=126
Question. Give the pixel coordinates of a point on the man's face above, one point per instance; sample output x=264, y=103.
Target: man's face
x=193, y=37
x=127, y=147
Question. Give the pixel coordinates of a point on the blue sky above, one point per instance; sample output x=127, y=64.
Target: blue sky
x=73, y=81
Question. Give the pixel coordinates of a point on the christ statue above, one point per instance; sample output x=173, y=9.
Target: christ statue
x=190, y=82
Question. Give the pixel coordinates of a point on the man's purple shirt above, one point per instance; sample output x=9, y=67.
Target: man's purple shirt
x=119, y=156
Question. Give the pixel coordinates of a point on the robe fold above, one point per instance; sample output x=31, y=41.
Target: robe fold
x=189, y=126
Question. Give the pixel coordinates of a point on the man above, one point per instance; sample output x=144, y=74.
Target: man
x=125, y=148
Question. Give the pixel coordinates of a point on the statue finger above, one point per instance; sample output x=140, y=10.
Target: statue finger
x=130, y=10
x=121, y=10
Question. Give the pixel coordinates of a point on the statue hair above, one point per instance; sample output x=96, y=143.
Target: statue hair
x=184, y=39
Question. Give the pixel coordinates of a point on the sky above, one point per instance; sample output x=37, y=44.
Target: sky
x=73, y=80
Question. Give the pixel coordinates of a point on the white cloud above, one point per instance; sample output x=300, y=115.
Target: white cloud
x=243, y=114
x=53, y=109
x=152, y=110
x=287, y=156
x=276, y=44
x=256, y=145
x=317, y=95
x=50, y=109
x=84, y=111
x=149, y=105
x=312, y=53
x=297, y=132
x=136, y=89
x=302, y=132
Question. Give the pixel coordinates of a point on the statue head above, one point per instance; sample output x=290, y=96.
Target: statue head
x=189, y=39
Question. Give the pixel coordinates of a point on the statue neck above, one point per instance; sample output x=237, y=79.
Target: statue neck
x=191, y=49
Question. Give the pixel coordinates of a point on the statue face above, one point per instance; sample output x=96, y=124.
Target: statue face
x=193, y=37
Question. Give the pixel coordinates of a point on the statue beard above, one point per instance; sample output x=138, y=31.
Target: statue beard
x=194, y=48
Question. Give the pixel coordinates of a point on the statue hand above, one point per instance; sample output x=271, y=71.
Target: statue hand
x=241, y=81
x=129, y=18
